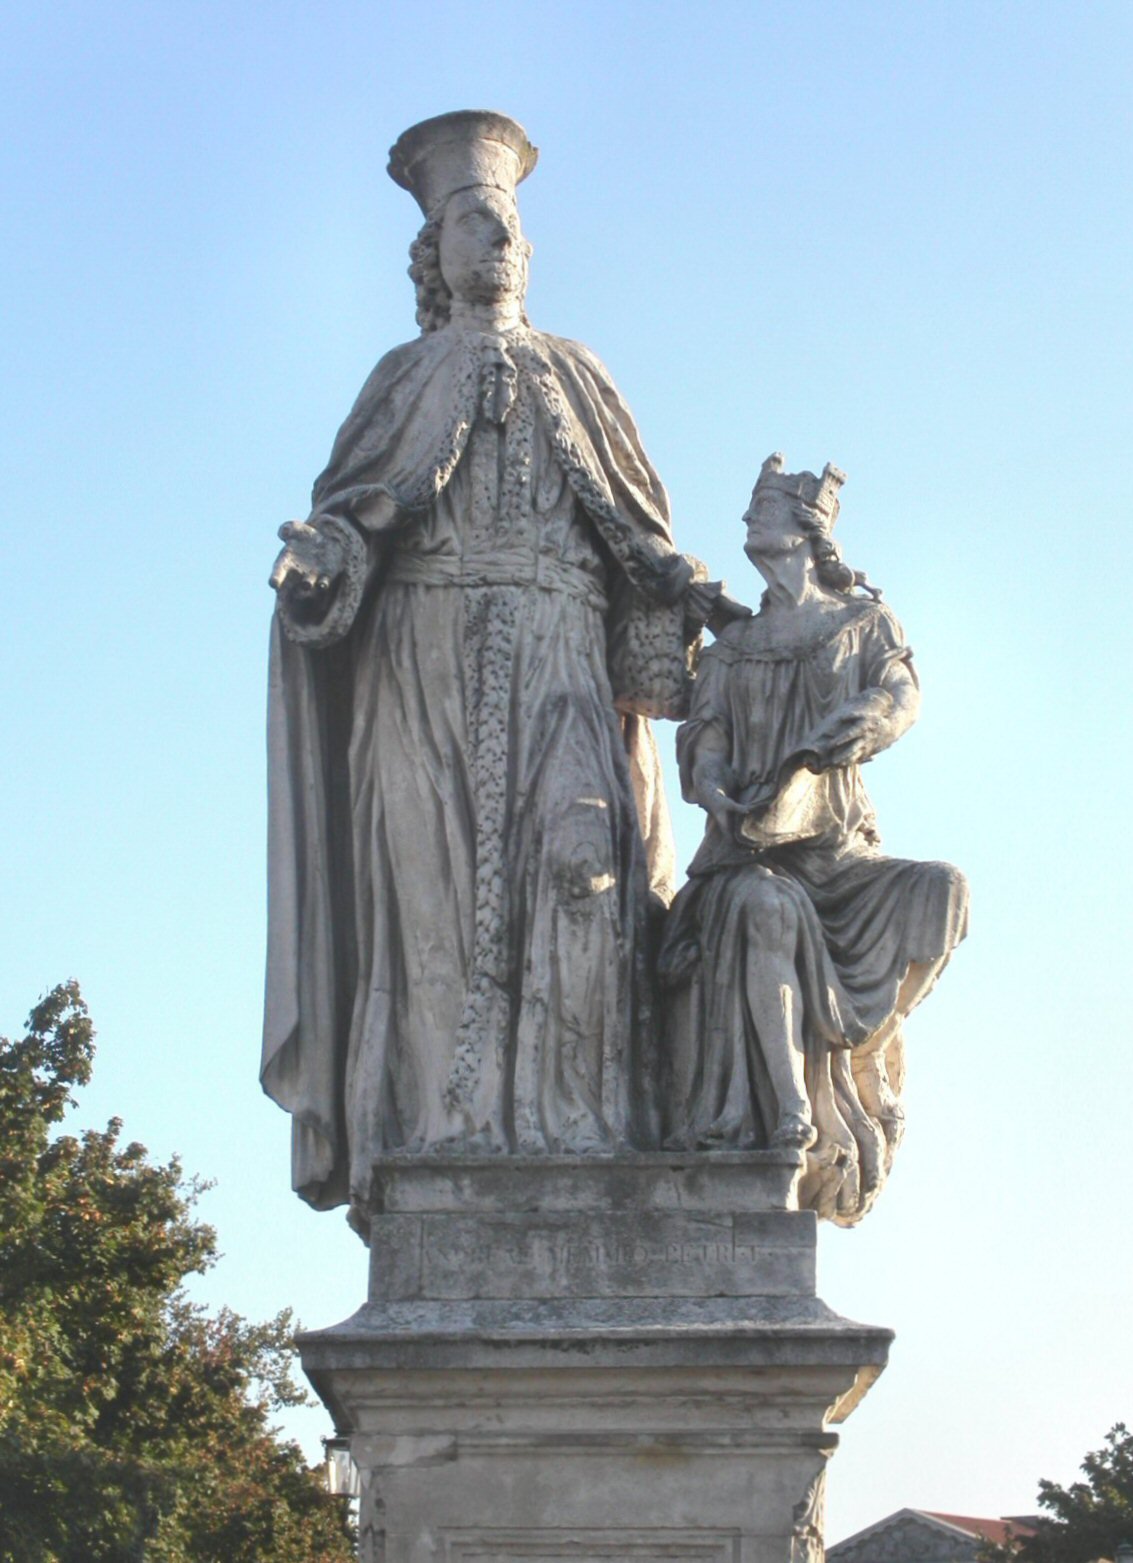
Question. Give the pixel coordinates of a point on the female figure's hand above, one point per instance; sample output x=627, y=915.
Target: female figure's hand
x=855, y=732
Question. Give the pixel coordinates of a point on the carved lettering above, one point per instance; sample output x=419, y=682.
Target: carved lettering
x=543, y=1251
x=589, y=1546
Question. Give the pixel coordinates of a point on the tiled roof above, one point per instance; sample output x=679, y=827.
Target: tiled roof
x=996, y=1531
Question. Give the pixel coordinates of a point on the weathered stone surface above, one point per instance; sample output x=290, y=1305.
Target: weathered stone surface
x=738, y=1181
x=634, y=1368
x=571, y=1255
x=649, y=1227
x=690, y=1437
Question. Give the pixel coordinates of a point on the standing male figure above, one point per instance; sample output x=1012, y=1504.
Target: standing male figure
x=467, y=821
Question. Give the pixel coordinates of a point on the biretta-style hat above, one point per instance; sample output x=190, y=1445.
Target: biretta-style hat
x=452, y=152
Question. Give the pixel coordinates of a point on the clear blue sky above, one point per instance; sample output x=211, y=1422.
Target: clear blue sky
x=896, y=236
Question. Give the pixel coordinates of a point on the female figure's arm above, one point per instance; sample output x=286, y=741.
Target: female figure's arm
x=704, y=747
x=882, y=712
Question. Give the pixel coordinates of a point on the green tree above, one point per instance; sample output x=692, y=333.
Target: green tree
x=133, y=1425
x=1085, y=1521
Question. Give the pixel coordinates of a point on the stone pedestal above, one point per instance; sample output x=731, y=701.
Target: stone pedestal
x=580, y=1359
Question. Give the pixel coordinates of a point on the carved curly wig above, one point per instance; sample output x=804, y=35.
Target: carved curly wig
x=434, y=301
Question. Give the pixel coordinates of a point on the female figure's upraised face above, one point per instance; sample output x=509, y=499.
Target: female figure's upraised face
x=483, y=254
x=772, y=527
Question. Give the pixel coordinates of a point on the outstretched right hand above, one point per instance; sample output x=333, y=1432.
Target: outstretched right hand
x=308, y=568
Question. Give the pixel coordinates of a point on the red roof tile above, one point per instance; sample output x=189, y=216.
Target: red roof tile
x=996, y=1531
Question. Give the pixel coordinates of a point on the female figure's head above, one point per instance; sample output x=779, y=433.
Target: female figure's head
x=791, y=511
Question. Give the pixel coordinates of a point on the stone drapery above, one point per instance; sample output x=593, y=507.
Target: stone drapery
x=468, y=828
x=862, y=919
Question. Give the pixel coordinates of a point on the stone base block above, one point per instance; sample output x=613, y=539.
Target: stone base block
x=656, y=1226
x=595, y=1362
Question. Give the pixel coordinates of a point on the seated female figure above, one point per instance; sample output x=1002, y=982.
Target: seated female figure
x=796, y=949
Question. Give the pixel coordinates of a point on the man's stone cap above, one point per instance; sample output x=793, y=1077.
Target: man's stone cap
x=452, y=152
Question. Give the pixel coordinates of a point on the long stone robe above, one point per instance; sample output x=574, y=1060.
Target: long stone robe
x=468, y=834
x=862, y=918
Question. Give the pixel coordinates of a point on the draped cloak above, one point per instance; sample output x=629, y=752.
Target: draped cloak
x=466, y=820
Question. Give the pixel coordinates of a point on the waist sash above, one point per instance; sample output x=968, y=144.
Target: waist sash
x=501, y=569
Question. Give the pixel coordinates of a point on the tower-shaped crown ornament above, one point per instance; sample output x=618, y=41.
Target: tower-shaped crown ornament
x=438, y=157
x=817, y=494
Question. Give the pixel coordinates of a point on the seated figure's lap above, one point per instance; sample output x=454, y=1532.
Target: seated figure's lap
x=769, y=907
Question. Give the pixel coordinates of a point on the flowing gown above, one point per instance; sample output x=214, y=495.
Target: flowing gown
x=862, y=918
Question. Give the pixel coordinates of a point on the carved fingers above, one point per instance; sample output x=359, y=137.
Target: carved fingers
x=318, y=579
x=310, y=562
x=725, y=811
x=706, y=602
x=855, y=731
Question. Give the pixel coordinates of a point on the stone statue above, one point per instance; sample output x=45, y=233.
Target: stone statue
x=469, y=837
x=575, y=1123
x=796, y=948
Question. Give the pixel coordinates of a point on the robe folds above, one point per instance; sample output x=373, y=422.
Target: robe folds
x=860, y=919
x=468, y=839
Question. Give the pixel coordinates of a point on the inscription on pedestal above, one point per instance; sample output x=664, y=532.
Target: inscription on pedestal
x=591, y=1546
x=557, y=1257
x=670, y=1254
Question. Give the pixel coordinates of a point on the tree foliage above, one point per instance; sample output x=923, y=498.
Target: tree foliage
x=1087, y=1520
x=133, y=1425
